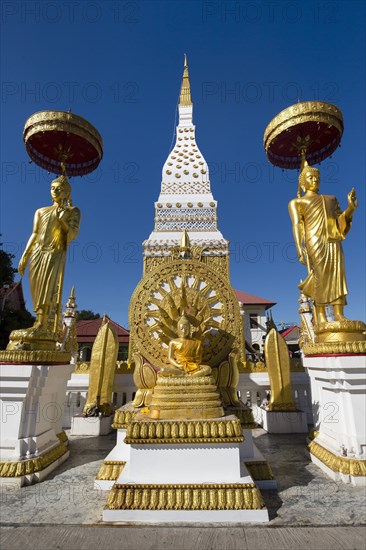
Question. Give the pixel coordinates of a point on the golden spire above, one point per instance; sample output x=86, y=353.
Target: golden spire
x=185, y=243
x=185, y=91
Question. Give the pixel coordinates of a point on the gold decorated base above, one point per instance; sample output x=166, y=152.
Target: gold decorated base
x=33, y=345
x=35, y=357
x=245, y=496
x=340, y=332
x=185, y=397
x=337, y=337
x=33, y=465
x=32, y=339
x=146, y=431
x=124, y=415
x=334, y=348
x=110, y=470
x=336, y=463
x=244, y=414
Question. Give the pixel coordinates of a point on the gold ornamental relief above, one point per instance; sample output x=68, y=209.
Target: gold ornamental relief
x=152, y=262
x=207, y=299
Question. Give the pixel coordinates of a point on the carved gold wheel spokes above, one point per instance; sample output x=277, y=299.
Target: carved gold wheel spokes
x=189, y=295
x=188, y=287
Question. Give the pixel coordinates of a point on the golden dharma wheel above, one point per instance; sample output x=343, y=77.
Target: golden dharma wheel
x=155, y=305
x=314, y=127
x=53, y=138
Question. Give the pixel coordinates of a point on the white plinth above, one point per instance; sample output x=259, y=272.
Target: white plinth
x=186, y=516
x=199, y=463
x=202, y=464
x=281, y=422
x=181, y=468
x=338, y=387
x=31, y=412
x=91, y=425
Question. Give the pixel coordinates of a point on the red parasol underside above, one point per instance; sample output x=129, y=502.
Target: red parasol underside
x=312, y=128
x=55, y=137
x=324, y=140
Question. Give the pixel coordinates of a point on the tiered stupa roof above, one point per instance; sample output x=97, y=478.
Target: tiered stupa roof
x=185, y=201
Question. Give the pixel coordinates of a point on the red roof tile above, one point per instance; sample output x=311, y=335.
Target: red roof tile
x=287, y=331
x=249, y=299
x=86, y=331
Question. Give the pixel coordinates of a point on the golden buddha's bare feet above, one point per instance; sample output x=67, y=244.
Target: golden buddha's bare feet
x=204, y=370
x=171, y=371
x=340, y=318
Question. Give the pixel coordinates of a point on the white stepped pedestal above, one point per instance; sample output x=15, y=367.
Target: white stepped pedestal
x=281, y=422
x=91, y=425
x=119, y=456
x=338, y=387
x=182, y=481
x=31, y=409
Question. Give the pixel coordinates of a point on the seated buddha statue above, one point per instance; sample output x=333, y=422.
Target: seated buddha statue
x=185, y=353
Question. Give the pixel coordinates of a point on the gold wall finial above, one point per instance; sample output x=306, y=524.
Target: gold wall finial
x=71, y=302
x=185, y=91
x=185, y=242
x=278, y=365
x=102, y=371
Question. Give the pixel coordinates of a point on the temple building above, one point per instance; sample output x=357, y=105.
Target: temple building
x=254, y=310
x=86, y=332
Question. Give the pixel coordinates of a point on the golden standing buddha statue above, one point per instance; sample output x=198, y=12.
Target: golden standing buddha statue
x=319, y=226
x=53, y=229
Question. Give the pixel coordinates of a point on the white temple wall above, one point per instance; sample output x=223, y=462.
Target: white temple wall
x=252, y=387
x=77, y=390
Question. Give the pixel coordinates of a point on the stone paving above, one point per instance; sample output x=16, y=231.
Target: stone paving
x=308, y=509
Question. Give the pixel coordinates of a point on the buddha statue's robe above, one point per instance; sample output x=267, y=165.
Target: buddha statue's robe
x=188, y=353
x=325, y=226
x=48, y=255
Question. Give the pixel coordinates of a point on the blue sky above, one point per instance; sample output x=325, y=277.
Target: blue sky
x=119, y=65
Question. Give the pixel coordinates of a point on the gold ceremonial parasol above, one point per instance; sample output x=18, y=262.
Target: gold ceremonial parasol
x=62, y=142
x=310, y=130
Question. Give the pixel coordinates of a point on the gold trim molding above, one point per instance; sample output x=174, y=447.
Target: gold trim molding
x=245, y=496
x=33, y=465
x=110, y=470
x=334, y=348
x=123, y=417
x=62, y=437
x=313, y=433
x=259, y=470
x=121, y=367
x=343, y=465
x=34, y=356
x=245, y=416
x=185, y=431
x=258, y=366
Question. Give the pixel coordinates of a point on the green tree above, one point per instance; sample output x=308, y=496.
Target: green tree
x=87, y=315
x=7, y=271
x=13, y=319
